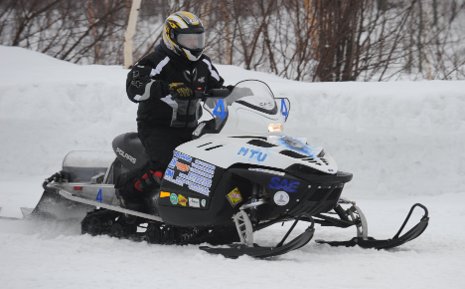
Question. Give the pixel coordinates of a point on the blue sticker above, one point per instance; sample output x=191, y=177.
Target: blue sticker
x=284, y=109
x=278, y=183
x=252, y=154
x=182, y=156
x=296, y=145
x=169, y=173
x=220, y=110
x=173, y=162
x=99, y=197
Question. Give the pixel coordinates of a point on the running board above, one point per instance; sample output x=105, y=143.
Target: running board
x=71, y=197
x=397, y=240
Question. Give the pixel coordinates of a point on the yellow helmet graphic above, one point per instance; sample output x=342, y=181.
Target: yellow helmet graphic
x=184, y=34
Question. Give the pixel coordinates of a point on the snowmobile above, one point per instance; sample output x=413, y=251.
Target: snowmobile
x=240, y=174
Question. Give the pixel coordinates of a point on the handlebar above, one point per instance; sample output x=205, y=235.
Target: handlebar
x=212, y=93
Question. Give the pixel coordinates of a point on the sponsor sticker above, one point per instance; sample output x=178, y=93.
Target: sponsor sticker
x=281, y=198
x=182, y=201
x=203, y=203
x=278, y=183
x=194, y=202
x=174, y=199
x=164, y=194
x=194, y=174
x=234, y=197
x=182, y=167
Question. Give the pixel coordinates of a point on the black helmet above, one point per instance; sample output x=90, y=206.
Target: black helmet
x=184, y=34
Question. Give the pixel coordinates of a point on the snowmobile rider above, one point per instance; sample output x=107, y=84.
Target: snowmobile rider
x=163, y=84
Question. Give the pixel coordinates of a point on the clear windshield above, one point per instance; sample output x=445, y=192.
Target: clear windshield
x=249, y=109
x=254, y=94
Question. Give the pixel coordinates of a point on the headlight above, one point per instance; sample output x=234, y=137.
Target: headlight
x=275, y=127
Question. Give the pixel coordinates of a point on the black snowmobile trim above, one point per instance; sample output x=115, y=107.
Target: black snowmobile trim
x=327, y=221
x=256, y=251
x=264, y=110
x=272, y=222
x=316, y=176
x=261, y=143
x=397, y=240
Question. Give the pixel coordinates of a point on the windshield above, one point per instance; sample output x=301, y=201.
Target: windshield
x=250, y=108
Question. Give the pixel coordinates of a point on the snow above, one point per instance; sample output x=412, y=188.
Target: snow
x=404, y=142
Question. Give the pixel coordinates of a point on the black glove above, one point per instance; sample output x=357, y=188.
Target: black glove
x=230, y=87
x=180, y=90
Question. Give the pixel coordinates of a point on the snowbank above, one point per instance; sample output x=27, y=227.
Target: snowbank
x=397, y=138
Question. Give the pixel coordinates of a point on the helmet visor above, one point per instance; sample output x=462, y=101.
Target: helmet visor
x=192, y=41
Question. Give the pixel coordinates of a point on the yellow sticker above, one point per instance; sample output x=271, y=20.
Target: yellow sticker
x=164, y=194
x=234, y=197
x=182, y=201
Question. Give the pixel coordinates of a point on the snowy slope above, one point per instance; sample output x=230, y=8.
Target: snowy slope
x=402, y=140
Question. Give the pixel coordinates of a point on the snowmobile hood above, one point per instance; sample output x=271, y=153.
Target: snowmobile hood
x=279, y=152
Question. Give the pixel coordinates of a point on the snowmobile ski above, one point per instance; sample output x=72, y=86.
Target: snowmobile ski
x=367, y=242
x=236, y=250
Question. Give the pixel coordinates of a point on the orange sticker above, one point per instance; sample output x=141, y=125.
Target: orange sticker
x=164, y=194
x=182, y=167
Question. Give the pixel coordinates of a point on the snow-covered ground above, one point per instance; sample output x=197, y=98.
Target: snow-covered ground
x=404, y=142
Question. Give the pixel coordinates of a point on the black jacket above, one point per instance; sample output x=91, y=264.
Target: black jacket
x=147, y=84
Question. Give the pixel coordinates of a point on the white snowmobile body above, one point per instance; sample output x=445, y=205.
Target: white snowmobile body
x=240, y=171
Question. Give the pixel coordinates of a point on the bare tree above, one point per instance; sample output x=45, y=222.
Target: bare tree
x=130, y=31
x=316, y=40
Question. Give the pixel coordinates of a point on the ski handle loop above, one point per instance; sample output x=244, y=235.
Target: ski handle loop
x=423, y=219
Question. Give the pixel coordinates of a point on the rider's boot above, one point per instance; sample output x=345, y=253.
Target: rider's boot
x=140, y=194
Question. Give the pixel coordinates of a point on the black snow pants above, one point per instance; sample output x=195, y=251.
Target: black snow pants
x=138, y=187
x=159, y=143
